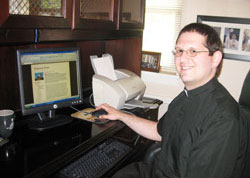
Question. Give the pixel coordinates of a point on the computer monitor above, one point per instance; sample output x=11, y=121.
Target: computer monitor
x=49, y=78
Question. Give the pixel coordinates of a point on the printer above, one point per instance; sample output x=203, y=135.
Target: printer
x=122, y=89
x=116, y=93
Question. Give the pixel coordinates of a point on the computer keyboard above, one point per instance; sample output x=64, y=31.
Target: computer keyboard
x=98, y=161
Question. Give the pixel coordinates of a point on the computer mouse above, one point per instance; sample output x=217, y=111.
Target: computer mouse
x=99, y=112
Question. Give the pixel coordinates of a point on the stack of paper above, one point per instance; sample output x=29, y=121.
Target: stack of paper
x=104, y=66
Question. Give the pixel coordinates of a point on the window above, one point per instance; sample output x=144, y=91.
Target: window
x=162, y=25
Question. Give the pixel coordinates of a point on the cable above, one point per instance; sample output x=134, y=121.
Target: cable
x=74, y=108
x=84, y=113
x=90, y=101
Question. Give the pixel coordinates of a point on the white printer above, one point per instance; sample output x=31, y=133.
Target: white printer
x=118, y=88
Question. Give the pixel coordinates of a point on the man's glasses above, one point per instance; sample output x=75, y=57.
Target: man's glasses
x=189, y=52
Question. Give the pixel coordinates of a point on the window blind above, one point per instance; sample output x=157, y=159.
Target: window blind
x=162, y=25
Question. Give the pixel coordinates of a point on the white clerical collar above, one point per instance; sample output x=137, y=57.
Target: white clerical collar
x=186, y=92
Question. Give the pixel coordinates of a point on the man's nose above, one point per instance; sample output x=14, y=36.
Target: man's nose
x=184, y=57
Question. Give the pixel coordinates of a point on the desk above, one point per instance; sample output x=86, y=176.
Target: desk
x=42, y=154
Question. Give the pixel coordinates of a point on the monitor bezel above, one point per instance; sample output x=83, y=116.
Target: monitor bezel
x=53, y=106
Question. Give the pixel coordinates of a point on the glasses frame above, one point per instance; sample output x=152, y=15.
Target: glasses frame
x=188, y=52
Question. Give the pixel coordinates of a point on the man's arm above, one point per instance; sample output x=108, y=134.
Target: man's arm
x=142, y=126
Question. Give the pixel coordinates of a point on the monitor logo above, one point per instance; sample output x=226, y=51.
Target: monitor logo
x=55, y=106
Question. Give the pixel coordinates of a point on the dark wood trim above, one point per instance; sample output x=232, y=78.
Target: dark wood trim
x=60, y=35
x=4, y=12
x=143, y=7
x=117, y=13
x=68, y=10
x=16, y=36
x=27, y=36
x=131, y=25
x=26, y=21
x=75, y=13
x=94, y=24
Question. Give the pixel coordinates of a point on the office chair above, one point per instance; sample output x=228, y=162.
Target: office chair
x=151, y=152
x=245, y=93
x=244, y=102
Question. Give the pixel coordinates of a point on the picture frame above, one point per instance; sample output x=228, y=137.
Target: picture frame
x=150, y=61
x=234, y=33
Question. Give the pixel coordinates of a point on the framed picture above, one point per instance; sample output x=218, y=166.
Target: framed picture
x=151, y=61
x=234, y=33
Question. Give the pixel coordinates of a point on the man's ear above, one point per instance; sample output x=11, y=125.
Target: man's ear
x=216, y=58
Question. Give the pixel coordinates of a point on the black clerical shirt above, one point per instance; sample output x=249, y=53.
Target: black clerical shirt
x=201, y=135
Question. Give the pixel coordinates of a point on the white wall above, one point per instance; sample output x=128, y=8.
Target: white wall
x=166, y=87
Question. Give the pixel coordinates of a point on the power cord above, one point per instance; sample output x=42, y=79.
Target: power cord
x=74, y=108
x=90, y=100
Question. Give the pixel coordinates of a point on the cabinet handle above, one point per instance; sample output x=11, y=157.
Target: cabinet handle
x=36, y=35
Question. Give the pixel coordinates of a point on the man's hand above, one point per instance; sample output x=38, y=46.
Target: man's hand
x=113, y=114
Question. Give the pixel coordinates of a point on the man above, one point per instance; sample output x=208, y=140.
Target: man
x=201, y=133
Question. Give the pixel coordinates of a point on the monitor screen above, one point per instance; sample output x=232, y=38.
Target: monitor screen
x=49, y=79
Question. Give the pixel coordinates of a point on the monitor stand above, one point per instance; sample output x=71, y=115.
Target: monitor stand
x=49, y=121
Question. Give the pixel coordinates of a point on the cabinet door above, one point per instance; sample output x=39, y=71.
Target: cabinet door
x=132, y=14
x=95, y=14
x=36, y=14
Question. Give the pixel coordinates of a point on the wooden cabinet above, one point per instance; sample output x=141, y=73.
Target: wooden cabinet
x=23, y=14
x=75, y=14
x=95, y=26
x=108, y=14
x=132, y=14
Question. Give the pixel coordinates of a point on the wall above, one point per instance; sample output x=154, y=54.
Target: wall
x=166, y=87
